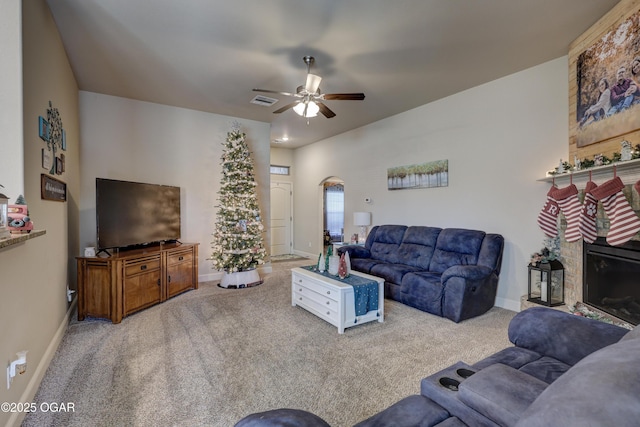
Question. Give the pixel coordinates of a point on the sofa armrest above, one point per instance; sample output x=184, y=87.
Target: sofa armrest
x=500, y=393
x=355, y=251
x=468, y=291
x=563, y=336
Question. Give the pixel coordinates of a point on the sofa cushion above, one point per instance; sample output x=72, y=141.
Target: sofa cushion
x=603, y=389
x=515, y=357
x=417, y=246
x=422, y=290
x=632, y=335
x=282, y=418
x=491, y=252
x=532, y=329
x=546, y=369
x=456, y=247
x=392, y=272
x=412, y=411
x=386, y=242
x=500, y=393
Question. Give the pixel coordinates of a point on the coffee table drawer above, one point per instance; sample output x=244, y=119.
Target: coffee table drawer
x=305, y=294
x=322, y=310
x=315, y=286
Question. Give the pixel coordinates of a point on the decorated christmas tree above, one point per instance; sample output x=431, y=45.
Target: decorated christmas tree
x=237, y=239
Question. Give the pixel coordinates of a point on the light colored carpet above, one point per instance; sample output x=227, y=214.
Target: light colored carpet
x=289, y=258
x=211, y=356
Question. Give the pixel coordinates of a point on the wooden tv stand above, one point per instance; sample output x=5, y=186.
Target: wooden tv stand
x=128, y=281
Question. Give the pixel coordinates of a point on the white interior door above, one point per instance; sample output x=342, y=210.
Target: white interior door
x=281, y=218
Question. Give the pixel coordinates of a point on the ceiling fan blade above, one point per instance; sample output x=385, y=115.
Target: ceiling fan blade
x=286, y=107
x=325, y=110
x=275, y=91
x=313, y=83
x=344, y=96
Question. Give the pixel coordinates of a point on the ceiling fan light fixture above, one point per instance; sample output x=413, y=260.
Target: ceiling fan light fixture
x=312, y=109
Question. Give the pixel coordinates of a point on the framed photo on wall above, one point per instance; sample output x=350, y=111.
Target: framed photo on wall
x=608, y=84
x=43, y=128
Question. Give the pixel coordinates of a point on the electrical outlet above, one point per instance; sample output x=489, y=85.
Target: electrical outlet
x=309, y=244
x=18, y=366
x=70, y=294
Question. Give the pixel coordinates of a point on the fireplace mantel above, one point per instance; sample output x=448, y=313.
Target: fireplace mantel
x=628, y=171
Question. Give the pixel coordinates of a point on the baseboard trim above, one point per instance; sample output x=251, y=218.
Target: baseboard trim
x=508, y=304
x=33, y=385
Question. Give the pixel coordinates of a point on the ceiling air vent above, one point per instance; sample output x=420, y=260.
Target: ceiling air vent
x=264, y=100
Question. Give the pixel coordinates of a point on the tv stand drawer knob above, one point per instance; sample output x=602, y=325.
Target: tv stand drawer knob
x=143, y=267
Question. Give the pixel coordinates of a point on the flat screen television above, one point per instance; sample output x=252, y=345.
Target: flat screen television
x=132, y=214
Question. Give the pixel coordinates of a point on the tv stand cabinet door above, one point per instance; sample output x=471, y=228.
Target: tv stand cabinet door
x=98, y=290
x=180, y=271
x=142, y=283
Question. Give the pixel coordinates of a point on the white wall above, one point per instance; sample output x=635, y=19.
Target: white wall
x=499, y=139
x=145, y=142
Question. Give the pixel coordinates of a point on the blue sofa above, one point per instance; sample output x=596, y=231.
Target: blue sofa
x=563, y=370
x=449, y=272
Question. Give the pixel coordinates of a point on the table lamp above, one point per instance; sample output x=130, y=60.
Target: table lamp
x=362, y=220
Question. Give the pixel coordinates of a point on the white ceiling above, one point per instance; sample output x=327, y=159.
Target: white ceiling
x=208, y=55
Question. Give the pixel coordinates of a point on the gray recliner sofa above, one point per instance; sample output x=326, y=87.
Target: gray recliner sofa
x=562, y=370
x=449, y=272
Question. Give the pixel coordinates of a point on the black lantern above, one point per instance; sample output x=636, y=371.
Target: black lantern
x=546, y=283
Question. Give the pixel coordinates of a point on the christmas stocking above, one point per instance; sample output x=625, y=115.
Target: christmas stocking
x=624, y=221
x=567, y=199
x=548, y=216
x=587, y=223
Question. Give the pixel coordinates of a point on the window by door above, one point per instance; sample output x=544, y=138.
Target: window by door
x=334, y=210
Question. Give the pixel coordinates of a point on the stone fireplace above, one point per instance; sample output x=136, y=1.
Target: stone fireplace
x=573, y=254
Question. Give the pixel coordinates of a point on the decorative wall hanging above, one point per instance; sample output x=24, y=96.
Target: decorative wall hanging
x=607, y=78
x=51, y=131
x=52, y=189
x=425, y=175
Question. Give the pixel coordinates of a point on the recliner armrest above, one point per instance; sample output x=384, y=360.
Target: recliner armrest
x=355, y=251
x=563, y=336
x=500, y=393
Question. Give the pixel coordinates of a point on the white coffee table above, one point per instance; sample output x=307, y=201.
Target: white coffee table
x=332, y=300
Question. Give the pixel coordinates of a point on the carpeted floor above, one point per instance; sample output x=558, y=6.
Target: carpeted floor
x=288, y=258
x=211, y=356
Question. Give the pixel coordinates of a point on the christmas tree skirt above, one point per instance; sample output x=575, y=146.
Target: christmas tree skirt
x=240, y=279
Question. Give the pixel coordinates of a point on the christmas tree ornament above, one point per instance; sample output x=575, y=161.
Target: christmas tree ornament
x=347, y=261
x=624, y=221
x=587, y=223
x=569, y=204
x=548, y=216
x=334, y=264
x=342, y=267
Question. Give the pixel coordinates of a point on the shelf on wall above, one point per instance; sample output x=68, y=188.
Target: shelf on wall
x=628, y=171
x=19, y=238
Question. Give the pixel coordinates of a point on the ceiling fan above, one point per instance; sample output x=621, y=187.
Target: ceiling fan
x=310, y=98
